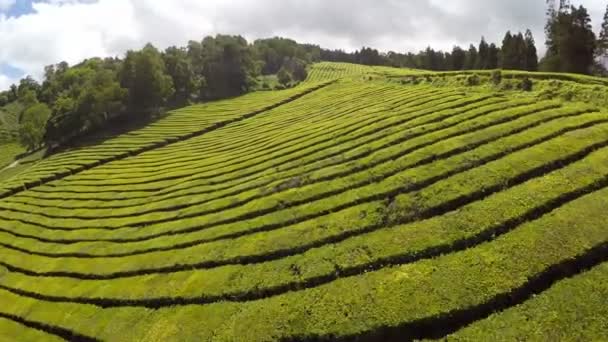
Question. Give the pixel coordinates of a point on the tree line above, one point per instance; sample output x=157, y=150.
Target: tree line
x=517, y=52
x=572, y=46
x=74, y=100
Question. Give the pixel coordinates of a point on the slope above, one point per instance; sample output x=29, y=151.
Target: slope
x=346, y=208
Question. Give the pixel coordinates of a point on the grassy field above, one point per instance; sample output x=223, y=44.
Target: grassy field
x=367, y=203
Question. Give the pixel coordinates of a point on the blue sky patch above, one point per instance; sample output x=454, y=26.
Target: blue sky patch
x=21, y=7
x=10, y=71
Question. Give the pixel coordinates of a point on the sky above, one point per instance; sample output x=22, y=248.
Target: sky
x=35, y=33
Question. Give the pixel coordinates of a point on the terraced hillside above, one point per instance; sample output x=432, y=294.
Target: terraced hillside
x=345, y=208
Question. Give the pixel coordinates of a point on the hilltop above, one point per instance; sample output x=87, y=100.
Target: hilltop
x=365, y=203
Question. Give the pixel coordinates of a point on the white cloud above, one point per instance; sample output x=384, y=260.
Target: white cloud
x=72, y=30
x=5, y=5
x=5, y=82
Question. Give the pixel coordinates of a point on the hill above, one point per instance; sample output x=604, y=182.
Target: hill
x=9, y=125
x=9, y=121
x=367, y=203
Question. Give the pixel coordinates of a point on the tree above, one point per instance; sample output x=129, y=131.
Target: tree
x=508, y=58
x=602, y=42
x=274, y=52
x=483, y=55
x=185, y=81
x=144, y=75
x=28, y=84
x=458, y=58
x=32, y=126
x=471, y=58
x=519, y=52
x=27, y=97
x=90, y=96
x=229, y=67
x=571, y=43
x=369, y=56
x=13, y=93
x=531, y=52
x=297, y=68
x=284, y=77
x=493, y=56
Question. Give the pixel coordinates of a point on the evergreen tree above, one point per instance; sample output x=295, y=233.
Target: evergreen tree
x=519, y=52
x=458, y=58
x=531, y=52
x=602, y=42
x=493, y=56
x=507, y=56
x=471, y=58
x=482, y=56
x=571, y=43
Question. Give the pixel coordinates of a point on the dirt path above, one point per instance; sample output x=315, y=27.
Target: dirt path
x=15, y=163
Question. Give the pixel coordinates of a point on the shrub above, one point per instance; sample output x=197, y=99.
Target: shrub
x=473, y=80
x=496, y=77
x=526, y=84
x=508, y=85
x=284, y=77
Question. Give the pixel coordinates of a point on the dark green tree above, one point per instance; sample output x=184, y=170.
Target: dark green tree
x=571, y=43
x=493, y=56
x=229, y=67
x=284, y=77
x=531, y=52
x=32, y=125
x=483, y=55
x=458, y=58
x=91, y=96
x=297, y=68
x=602, y=42
x=471, y=58
x=144, y=75
x=508, y=52
x=186, y=82
x=519, y=52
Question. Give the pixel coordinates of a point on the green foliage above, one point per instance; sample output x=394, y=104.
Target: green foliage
x=602, y=41
x=526, y=84
x=473, y=80
x=471, y=58
x=571, y=43
x=228, y=66
x=33, y=125
x=144, y=75
x=284, y=76
x=97, y=93
x=519, y=52
x=90, y=97
x=496, y=77
x=274, y=53
x=186, y=81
